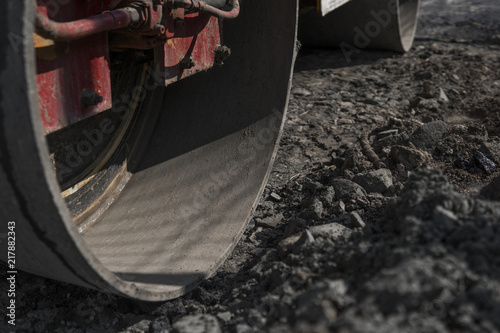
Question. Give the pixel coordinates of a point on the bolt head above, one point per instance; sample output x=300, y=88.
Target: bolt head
x=90, y=98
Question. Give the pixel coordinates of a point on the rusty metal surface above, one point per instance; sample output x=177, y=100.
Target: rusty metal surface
x=67, y=31
x=203, y=7
x=361, y=24
x=73, y=73
x=190, y=47
x=147, y=32
x=66, y=70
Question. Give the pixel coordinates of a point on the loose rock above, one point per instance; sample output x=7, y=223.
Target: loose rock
x=298, y=91
x=332, y=230
x=160, y=325
x=484, y=162
x=387, y=133
x=411, y=158
x=197, y=324
x=314, y=210
x=356, y=220
x=375, y=181
x=270, y=221
x=429, y=134
x=275, y=197
x=442, y=96
x=285, y=246
x=224, y=316
x=492, y=190
x=346, y=190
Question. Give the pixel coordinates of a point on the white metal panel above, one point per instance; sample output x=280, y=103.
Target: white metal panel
x=328, y=6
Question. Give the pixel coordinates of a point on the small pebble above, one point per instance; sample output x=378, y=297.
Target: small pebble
x=356, y=220
x=275, y=197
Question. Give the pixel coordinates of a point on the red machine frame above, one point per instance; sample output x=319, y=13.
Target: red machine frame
x=73, y=43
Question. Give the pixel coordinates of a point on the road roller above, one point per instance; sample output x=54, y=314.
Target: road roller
x=136, y=136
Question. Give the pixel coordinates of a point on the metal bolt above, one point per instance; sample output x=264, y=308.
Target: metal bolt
x=221, y=53
x=90, y=98
x=187, y=63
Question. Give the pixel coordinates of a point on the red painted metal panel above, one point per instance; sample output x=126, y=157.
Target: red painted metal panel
x=67, y=69
x=191, y=41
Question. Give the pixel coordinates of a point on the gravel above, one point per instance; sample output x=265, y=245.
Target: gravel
x=375, y=181
x=338, y=244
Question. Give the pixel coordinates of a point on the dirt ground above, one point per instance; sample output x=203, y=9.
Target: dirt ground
x=382, y=213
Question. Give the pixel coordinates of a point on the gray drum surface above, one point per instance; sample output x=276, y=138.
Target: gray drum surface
x=360, y=24
x=212, y=140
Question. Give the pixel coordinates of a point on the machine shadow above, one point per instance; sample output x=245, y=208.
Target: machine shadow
x=196, y=179
x=327, y=58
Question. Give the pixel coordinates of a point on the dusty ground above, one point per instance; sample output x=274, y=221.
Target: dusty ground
x=392, y=233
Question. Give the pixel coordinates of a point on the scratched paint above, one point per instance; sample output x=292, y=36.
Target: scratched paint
x=65, y=69
x=195, y=42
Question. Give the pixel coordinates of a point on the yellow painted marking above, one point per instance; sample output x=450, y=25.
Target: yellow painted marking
x=45, y=48
x=171, y=44
x=42, y=42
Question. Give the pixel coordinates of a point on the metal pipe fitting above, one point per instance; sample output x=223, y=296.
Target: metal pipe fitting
x=67, y=31
x=203, y=7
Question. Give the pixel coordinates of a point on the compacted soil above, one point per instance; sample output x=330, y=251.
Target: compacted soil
x=382, y=213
